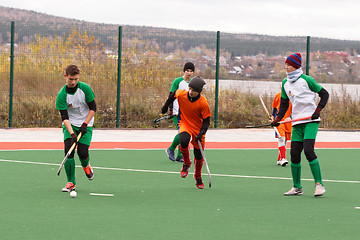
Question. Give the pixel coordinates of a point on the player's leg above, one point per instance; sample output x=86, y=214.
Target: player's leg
x=282, y=145
x=198, y=163
x=309, y=145
x=69, y=167
x=295, y=154
x=83, y=153
x=184, y=148
x=170, y=152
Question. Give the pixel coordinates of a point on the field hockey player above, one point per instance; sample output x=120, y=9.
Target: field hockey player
x=178, y=83
x=301, y=90
x=194, y=120
x=76, y=103
x=283, y=129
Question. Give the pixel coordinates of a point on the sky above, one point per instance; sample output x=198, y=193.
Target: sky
x=336, y=19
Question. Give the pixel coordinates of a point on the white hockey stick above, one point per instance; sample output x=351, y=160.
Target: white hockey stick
x=206, y=164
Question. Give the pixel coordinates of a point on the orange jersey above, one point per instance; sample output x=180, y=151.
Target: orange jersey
x=276, y=104
x=191, y=114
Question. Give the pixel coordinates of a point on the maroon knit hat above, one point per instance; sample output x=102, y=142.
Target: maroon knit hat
x=294, y=60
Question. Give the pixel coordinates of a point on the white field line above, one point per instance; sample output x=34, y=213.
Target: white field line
x=170, y=172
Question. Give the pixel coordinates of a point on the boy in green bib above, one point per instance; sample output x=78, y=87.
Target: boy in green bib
x=76, y=103
x=179, y=83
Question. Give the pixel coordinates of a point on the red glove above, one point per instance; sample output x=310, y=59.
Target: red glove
x=83, y=129
x=316, y=114
x=275, y=122
x=73, y=139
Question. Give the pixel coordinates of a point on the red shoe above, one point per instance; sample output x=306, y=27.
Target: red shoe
x=89, y=172
x=184, y=171
x=199, y=183
x=69, y=187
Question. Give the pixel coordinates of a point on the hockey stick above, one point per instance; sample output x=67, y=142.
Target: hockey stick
x=263, y=104
x=286, y=121
x=206, y=164
x=68, y=154
x=162, y=118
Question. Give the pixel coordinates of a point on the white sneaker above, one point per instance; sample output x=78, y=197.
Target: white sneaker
x=283, y=162
x=278, y=162
x=319, y=190
x=294, y=191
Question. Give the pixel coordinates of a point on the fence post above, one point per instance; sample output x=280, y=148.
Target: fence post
x=11, y=90
x=118, y=78
x=217, y=78
x=307, y=54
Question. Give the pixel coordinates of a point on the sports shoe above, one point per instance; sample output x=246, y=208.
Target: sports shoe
x=283, y=162
x=184, y=171
x=179, y=159
x=170, y=154
x=278, y=162
x=199, y=183
x=319, y=190
x=294, y=191
x=69, y=187
x=89, y=172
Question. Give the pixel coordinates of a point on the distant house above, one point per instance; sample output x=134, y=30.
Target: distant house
x=204, y=61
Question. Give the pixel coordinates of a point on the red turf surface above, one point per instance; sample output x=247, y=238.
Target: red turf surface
x=163, y=145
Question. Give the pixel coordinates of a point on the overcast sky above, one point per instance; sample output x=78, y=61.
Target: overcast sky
x=339, y=19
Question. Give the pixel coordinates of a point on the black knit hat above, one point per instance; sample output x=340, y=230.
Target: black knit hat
x=197, y=83
x=189, y=65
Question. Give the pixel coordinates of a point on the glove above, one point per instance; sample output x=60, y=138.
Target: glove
x=73, y=139
x=275, y=122
x=83, y=129
x=198, y=137
x=316, y=114
x=171, y=113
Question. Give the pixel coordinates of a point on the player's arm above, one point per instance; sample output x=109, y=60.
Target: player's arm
x=171, y=105
x=91, y=114
x=204, y=127
x=169, y=101
x=324, y=97
x=65, y=119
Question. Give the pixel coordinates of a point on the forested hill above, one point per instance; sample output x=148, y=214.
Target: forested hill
x=30, y=23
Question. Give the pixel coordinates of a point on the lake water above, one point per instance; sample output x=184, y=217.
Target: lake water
x=272, y=87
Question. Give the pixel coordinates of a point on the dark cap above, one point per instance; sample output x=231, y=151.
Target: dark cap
x=197, y=83
x=189, y=65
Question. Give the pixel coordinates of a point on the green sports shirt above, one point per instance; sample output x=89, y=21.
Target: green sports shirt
x=76, y=103
x=178, y=83
x=302, y=95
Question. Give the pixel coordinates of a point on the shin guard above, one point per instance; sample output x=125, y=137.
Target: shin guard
x=198, y=166
x=186, y=155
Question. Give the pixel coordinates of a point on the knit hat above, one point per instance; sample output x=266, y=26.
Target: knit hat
x=189, y=65
x=294, y=60
x=197, y=83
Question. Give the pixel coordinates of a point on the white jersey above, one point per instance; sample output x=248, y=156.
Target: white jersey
x=302, y=95
x=178, y=83
x=76, y=104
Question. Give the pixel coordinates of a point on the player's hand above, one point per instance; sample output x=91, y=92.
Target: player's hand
x=316, y=114
x=73, y=139
x=171, y=113
x=271, y=118
x=275, y=122
x=198, y=137
x=83, y=129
